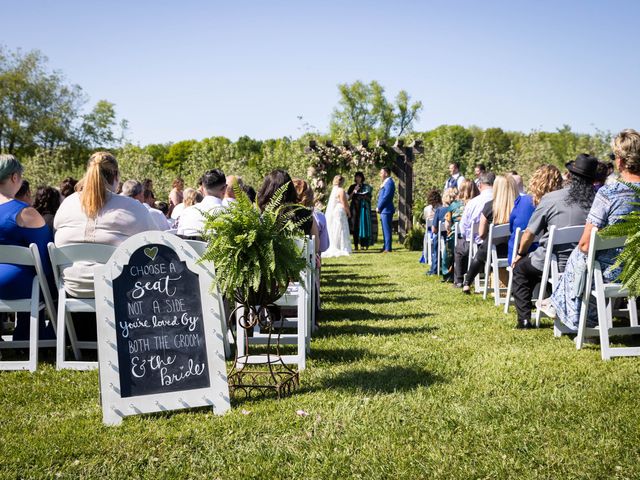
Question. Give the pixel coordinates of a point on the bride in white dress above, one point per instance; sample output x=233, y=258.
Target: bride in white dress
x=337, y=214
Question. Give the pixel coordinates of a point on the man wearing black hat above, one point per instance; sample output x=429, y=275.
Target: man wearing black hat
x=562, y=208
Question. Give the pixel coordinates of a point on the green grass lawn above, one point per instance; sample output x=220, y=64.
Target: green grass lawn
x=407, y=379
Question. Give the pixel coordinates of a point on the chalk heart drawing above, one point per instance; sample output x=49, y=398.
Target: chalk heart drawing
x=151, y=252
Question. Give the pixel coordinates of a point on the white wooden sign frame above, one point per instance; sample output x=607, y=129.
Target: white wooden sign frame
x=114, y=407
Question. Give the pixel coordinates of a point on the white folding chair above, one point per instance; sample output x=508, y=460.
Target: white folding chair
x=62, y=257
x=441, y=246
x=30, y=257
x=605, y=294
x=516, y=246
x=550, y=270
x=497, y=234
x=426, y=243
x=299, y=297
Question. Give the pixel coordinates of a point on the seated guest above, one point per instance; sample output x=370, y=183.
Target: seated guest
x=545, y=179
x=497, y=211
x=611, y=203
x=134, y=189
x=191, y=223
x=230, y=194
x=271, y=184
x=175, y=196
x=47, y=202
x=20, y=225
x=471, y=217
x=24, y=193
x=96, y=214
x=562, y=208
x=67, y=187
x=191, y=197
x=444, y=214
x=434, y=200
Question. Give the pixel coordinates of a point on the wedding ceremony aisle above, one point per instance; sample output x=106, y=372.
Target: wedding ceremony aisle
x=406, y=378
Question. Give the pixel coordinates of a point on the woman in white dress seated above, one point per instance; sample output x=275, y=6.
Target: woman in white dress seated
x=338, y=214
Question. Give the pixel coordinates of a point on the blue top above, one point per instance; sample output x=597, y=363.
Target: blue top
x=385, y=197
x=438, y=217
x=611, y=203
x=15, y=280
x=523, y=209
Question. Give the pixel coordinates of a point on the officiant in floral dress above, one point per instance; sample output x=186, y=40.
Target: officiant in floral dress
x=360, y=194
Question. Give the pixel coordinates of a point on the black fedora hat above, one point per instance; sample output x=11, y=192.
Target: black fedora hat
x=584, y=166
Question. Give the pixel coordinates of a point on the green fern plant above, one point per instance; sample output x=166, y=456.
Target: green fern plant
x=629, y=258
x=255, y=255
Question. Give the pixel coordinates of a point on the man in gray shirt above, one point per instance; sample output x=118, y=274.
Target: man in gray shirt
x=562, y=208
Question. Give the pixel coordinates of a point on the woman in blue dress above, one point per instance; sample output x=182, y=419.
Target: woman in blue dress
x=20, y=225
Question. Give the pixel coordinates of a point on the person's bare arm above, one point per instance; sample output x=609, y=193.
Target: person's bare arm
x=585, y=239
x=29, y=218
x=345, y=203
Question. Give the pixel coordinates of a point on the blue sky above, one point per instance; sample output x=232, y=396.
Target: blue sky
x=194, y=69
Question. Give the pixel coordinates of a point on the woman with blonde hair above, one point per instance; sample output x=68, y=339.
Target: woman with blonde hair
x=96, y=214
x=190, y=197
x=338, y=213
x=497, y=211
x=546, y=178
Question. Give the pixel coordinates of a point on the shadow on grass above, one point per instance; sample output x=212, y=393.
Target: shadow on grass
x=329, y=277
x=356, y=284
x=364, y=299
x=342, y=355
x=382, y=380
x=380, y=331
x=354, y=314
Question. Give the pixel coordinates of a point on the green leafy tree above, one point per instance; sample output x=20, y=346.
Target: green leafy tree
x=178, y=153
x=364, y=113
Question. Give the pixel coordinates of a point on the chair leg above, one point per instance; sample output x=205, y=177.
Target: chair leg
x=34, y=333
x=496, y=282
x=507, y=301
x=633, y=312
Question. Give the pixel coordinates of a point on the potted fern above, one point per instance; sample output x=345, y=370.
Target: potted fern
x=629, y=258
x=255, y=254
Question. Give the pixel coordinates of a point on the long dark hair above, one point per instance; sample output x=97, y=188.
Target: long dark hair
x=271, y=184
x=47, y=200
x=581, y=191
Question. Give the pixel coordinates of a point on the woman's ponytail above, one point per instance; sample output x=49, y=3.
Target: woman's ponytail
x=102, y=171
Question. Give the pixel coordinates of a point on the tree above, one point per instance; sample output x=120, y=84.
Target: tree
x=98, y=127
x=178, y=153
x=39, y=110
x=363, y=112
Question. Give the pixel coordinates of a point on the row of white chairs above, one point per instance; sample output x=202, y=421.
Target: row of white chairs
x=300, y=297
x=604, y=294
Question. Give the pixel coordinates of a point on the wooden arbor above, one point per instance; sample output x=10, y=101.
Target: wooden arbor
x=399, y=157
x=403, y=158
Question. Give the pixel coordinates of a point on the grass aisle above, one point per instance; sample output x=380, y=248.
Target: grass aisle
x=407, y=379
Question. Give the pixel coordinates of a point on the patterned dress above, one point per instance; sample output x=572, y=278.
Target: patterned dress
x=611, y=203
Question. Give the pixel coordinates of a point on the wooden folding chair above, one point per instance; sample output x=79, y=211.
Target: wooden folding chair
x=27, y=256
x=62, y=257
x=493, y=263
x=605, y=294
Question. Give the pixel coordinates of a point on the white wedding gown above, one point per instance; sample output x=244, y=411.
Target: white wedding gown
x=337, y=227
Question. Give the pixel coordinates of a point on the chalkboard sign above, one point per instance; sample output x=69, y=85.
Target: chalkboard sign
x=161, y=331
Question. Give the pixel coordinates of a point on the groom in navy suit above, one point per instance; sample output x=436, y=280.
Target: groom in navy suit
x=385, y=206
